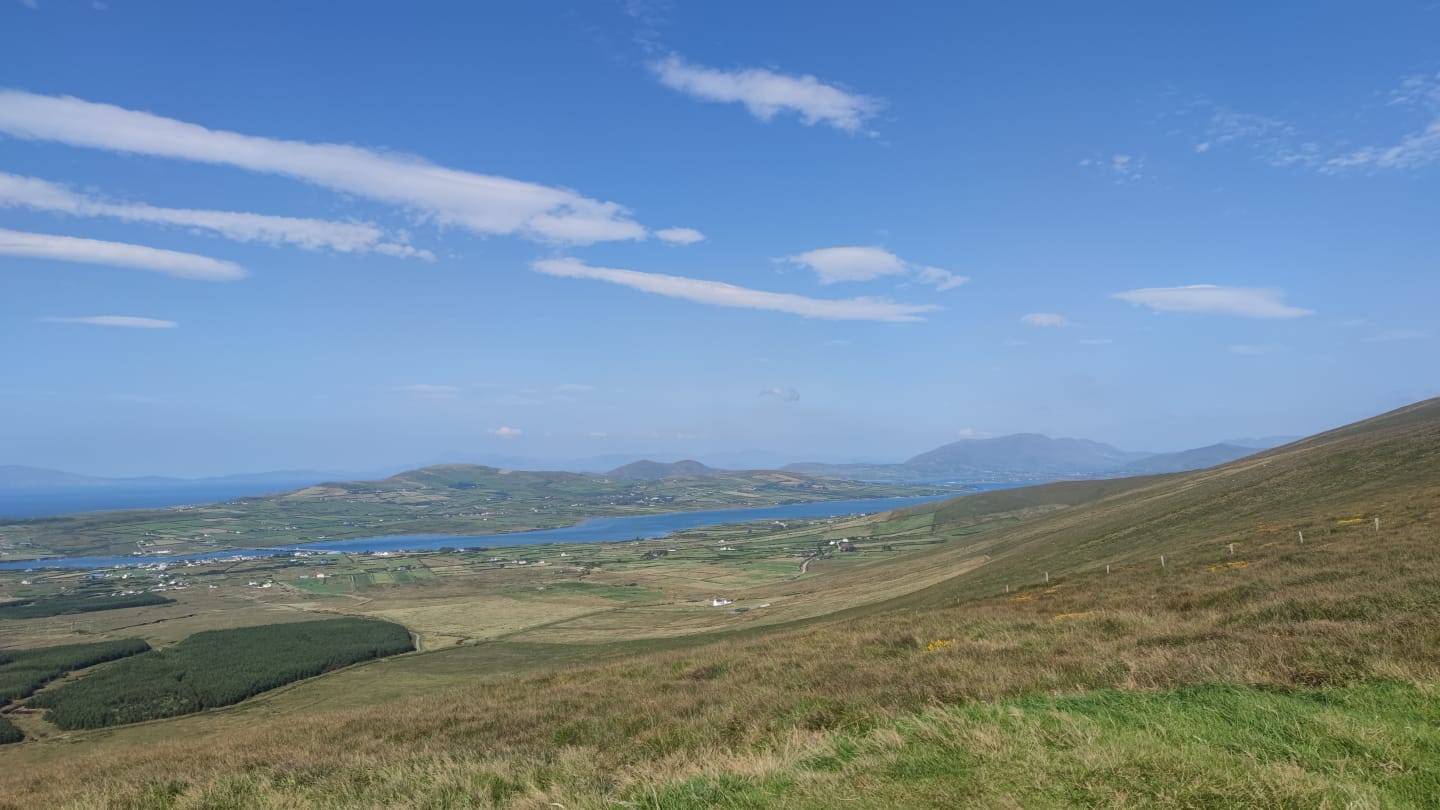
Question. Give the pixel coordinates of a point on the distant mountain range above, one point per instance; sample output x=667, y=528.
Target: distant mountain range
x=1018, y=457
x=725, y=460
x=1031, y=457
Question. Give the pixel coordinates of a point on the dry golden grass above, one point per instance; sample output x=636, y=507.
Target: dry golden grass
x=865, y=702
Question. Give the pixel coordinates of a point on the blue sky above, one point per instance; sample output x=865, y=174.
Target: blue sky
x=252, y=236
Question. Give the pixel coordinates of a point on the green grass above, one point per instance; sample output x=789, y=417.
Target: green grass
x=1279, y=676
x=1369, y=745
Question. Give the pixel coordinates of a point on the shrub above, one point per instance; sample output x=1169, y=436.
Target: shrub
x=9, y=733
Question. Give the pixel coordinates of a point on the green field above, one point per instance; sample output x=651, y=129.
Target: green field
x=1024, y=648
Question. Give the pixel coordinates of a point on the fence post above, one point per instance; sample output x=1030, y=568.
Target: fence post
x=1377, y=524
x=1232, y=549
x=1302, y=537
x=1107, y=568
x=1162, y=560
x=1047, y=577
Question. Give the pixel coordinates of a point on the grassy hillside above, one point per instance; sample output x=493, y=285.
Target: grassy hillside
x=1196, y=459
x=1273, y=673
x=444, y=499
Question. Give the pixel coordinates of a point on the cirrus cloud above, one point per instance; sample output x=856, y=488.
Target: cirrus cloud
x=719, y=293
x=312, y=234
x=122, y=321
x=766, y=93
x=117, y=254
x=1245, y=302
x=485, y=204
x=1045, y=319
x=680, y=236
x=866, y=262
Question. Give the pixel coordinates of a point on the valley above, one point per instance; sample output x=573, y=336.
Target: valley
x=777, y=665
x=442, y=500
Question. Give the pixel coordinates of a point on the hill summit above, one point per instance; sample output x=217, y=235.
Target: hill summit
x=647, y=470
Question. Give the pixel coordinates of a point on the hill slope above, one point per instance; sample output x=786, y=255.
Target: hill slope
x=647, y=470
x=1060, y=664
x=1027, y=453
x=1196, y=459
x=1028, y=457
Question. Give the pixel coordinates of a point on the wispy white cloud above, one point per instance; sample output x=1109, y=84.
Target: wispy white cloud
x=718, y=293
x=1283, y=144
x=867, y=262
x=940, y=279
x=680, y=236
x=1124, y=168
x=506, y=432
x=783, y=393
x=1413, y=150
x=766, y=93
x=313, y=234
x=117, y=254
x=1273, y=141
x=1246, y=302
x=122, y=321
x=1045, y=319
x=485, y=204
x=574, y=388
